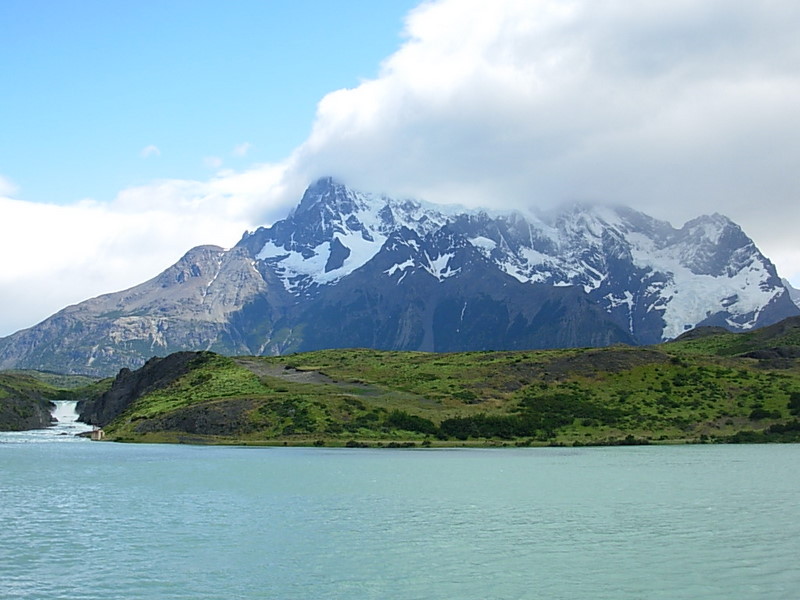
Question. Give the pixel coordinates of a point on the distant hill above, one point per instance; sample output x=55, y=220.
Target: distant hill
x=708, y=386
x=348, y=269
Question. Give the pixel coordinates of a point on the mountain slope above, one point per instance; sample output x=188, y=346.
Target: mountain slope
x=350, y=269
x=193, y=304
x=794, y=293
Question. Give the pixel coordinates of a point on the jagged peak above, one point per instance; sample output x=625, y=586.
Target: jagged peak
x=709, y=227
x=199, y=262
x=336, y=230
x=204, y=250
x=326, y=192
x=714, y=218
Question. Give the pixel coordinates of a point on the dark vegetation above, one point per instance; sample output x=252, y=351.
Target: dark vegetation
x=707, y=386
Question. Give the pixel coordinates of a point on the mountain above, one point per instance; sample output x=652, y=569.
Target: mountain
x=352, y=269
x=794, y=293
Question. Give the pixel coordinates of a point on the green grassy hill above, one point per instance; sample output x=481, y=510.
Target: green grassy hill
x=55, y=380
x=708, y=386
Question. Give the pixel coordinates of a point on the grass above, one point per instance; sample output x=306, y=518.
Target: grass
x=686, y=391
x=56, y=380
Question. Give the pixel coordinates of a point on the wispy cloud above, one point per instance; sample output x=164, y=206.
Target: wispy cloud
x=149, y=151
x=242, y=149
x=212, y=162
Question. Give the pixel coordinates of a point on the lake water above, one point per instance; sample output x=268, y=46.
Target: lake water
x=81, y=519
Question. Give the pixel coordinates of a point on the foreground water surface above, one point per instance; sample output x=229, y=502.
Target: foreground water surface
x=95, y=520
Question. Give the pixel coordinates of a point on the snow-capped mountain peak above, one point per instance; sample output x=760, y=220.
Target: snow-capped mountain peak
x=334, y=231
x=650, y=275
x=348, y=268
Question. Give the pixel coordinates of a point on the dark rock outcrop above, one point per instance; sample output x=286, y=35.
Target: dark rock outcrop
x=129, y=386
x=20, y=413
x=700, y=332
x=22, y=405
x=224, y=418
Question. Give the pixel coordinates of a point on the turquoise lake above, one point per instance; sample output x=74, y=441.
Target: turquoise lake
x=92, y=520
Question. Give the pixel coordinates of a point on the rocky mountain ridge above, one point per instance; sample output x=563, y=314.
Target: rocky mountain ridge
x=350, y=269
x=794, y=293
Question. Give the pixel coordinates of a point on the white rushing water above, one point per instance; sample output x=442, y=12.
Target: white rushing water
x=65, y=428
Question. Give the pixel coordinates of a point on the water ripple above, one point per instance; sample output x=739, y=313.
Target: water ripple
x=117, y=521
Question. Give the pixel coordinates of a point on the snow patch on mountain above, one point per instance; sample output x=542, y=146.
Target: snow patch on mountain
x=408, y=264
x=439, y=267
x=299, y=268
x=690, y=297
x=484, y=244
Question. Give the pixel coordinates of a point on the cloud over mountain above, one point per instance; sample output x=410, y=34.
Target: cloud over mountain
x=681, y=103
x=673, y=107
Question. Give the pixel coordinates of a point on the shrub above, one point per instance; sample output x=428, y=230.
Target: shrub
x=398, y=419
x=794, y=403
x=761, y=413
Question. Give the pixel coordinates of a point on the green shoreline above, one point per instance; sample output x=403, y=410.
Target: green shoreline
x=408, y=443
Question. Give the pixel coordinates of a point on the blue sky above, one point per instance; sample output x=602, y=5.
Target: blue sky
x=133, y=131
x=90, y=84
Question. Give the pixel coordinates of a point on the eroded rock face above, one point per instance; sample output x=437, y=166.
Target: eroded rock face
x=227, y=418
x=20, y=413
x=196, y=304
x=130, y=385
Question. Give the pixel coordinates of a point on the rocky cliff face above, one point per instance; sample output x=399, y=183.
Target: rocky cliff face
x=129, y=386
x=22, y=414
x=354, y=269
x=195, y=304
x=21, y=406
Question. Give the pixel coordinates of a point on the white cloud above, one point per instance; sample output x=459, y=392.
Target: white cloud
x=59, y=255
x=242, y=149
x=149, y=151
x=674, y=107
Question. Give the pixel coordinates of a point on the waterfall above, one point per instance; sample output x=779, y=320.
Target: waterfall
x=66, y=417
x=65, y=427
x=65, y=411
